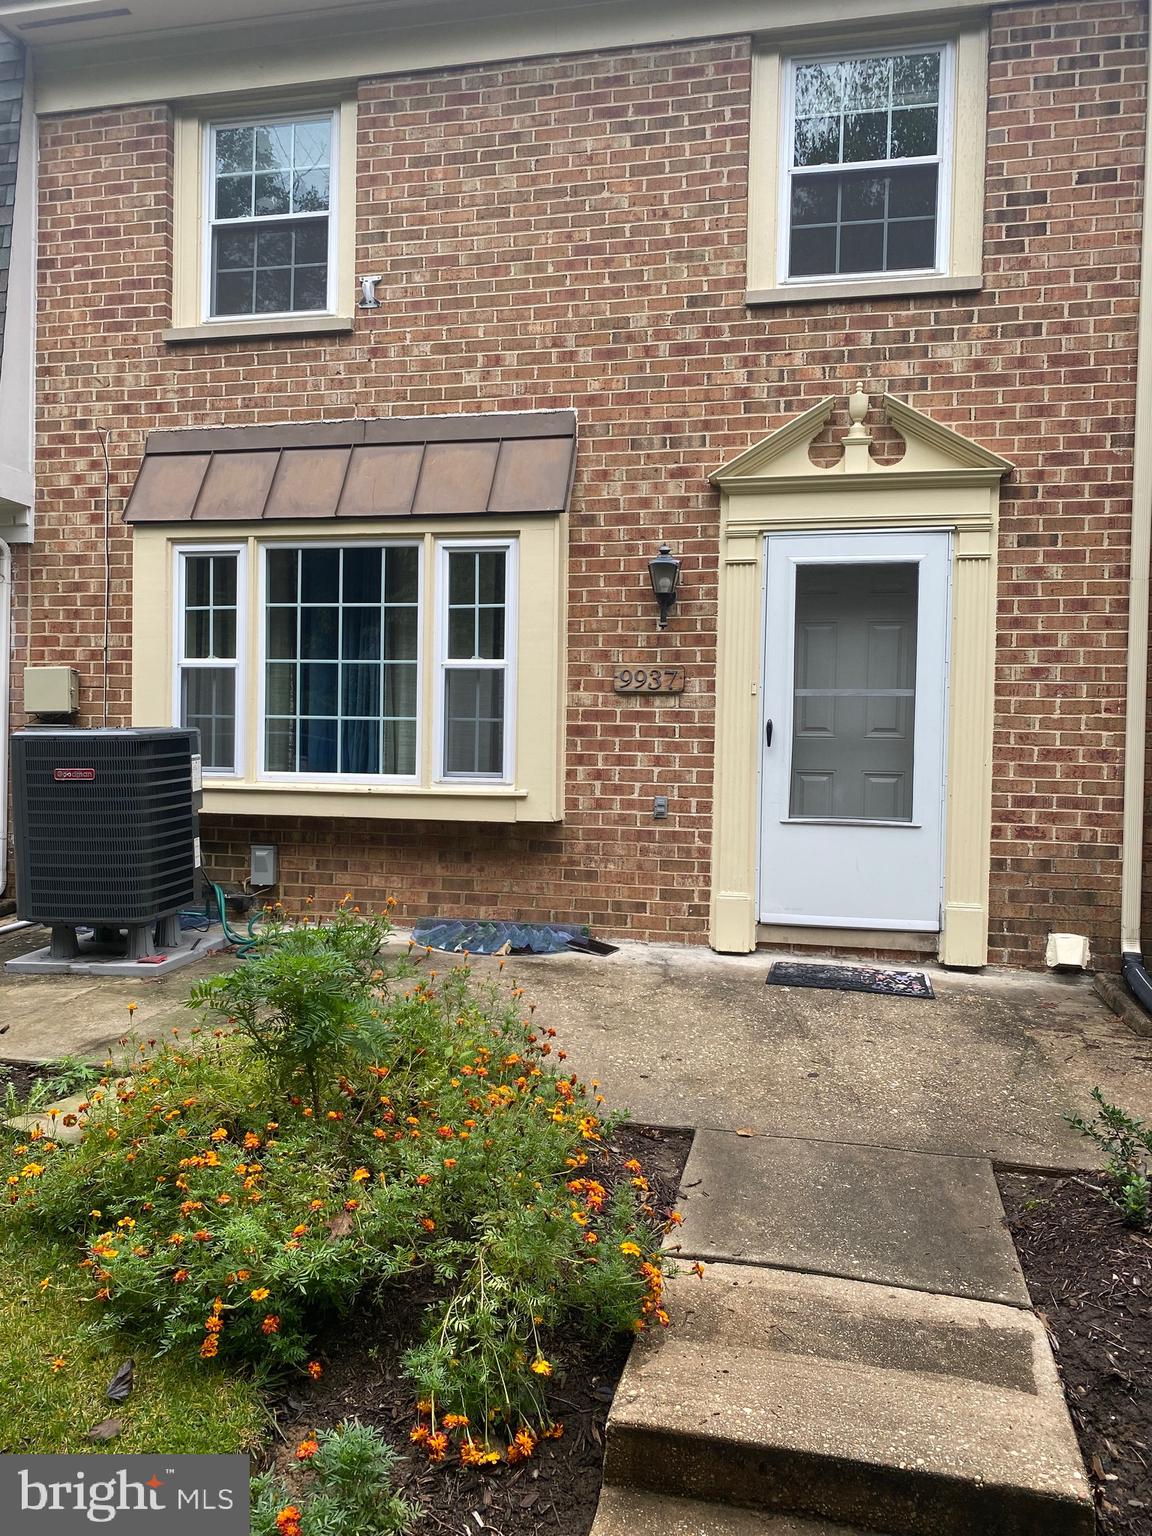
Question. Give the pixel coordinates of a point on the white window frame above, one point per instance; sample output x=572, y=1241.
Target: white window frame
x=443, y=664
x=180, y=554
x=261, y=643
x=944, y=158
x=208, y=224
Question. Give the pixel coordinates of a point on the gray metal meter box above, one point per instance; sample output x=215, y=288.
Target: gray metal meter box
x=51, y=690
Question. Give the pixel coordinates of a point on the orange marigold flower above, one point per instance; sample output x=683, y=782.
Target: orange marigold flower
x=675, y=1219
x=418, y=1434
x=473, y=1455
x=288, y=1518
x=307, y=1449
x=428, y=1224
x=437, y=1446
x=455, y=1420
x=300, y=1229
x=523, y=1444
x=271, y=1323
x=212, y=1325
x=209, y=1347
x=58, y=1363
x=424, y=1178
x=314, y=1369
x=219, y=1134
x=553, y=1432
x=351, y=1205
x=698, y=1269
x=202, y=1236
x=251, y=1141
x=180, y=1276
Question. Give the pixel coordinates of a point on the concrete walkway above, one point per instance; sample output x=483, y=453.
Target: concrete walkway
x=685, y=1037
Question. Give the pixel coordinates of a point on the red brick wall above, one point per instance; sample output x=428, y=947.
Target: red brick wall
x=571, y=233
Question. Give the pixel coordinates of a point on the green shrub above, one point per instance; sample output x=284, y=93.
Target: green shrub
x=349, y=1490
x=267, y=1173
x=1127, y=1145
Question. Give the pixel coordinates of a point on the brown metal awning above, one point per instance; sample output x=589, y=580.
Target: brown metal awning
x=409, y=466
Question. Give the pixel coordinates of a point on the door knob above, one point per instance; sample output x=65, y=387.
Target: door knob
x=768, y=733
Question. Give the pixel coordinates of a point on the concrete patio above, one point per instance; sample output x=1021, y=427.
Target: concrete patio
x=687, y=1037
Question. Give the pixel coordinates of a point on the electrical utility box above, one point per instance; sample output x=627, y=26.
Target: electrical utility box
x=106, y=827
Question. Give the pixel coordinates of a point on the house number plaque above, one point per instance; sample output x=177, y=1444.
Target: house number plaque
x=641, y=679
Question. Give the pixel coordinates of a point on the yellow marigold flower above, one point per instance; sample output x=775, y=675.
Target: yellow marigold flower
x=631, y=1249
x=261, y=1293
x=32, y=1170
x=541, y=1367
x=219, y=1134
x=360, y=1175
x=299, y=1230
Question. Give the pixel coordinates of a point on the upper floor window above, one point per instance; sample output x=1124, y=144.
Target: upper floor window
x=271, y=208
x=867, y=164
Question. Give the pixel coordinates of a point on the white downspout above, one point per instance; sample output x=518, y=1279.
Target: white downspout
x=5, y=681
x=1136, y=706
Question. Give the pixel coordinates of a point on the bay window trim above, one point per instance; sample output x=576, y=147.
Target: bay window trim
x=238, y=664
x=535, y=739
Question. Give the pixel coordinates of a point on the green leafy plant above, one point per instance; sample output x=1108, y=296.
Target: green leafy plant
x=303, y=998
x=1127, y=1145
x=293, y=1157
x=349, y=1489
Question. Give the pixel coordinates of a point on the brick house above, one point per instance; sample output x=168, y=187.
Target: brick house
x=378, y=352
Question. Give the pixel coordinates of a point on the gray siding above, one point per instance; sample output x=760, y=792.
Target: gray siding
x=11, y=93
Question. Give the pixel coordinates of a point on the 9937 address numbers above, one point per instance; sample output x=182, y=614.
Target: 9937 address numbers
x=648, y=680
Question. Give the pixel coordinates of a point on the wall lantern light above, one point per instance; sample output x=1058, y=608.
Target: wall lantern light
x=664, y=572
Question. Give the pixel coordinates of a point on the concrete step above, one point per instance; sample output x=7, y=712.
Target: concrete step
x=628, y=1512
x=894, y=1410
x=914, y=1219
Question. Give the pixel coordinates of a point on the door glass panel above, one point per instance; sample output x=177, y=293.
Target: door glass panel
x=854, y=705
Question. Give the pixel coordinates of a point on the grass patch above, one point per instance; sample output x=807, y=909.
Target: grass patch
x=174, y=1407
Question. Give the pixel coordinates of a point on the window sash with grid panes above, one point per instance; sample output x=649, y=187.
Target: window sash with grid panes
x=207, y=662
x=270, y=209
x=475, y=641
x=341, y=663
x=867, y=163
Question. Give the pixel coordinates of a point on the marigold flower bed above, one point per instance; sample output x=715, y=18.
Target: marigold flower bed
x=341, y=1131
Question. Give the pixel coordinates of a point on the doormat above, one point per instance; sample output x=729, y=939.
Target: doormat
x=849, y=978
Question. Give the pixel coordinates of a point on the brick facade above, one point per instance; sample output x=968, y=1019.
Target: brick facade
x=570, y=233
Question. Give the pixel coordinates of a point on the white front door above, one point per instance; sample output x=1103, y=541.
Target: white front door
x=856, y=659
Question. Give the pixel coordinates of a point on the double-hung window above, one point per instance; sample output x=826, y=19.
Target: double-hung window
x=476, y=639
x=208, y=651
x=867, y=164
x=271, y=224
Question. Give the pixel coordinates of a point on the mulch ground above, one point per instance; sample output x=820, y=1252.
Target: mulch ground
x=23, y=1075
x=553, y=1494
x=1090, y=1278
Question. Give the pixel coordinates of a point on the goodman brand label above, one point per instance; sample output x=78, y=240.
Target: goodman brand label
x=63, y=1495
x=73, y=775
